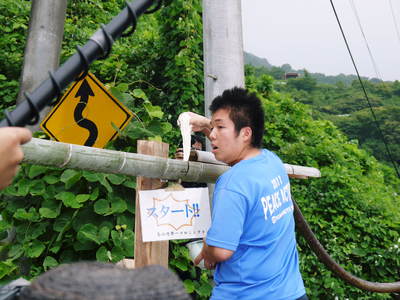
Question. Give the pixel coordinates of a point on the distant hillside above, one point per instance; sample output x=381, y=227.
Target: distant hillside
x=277, y=72
x=341, y=100
x=256, y=61
x=333, y=79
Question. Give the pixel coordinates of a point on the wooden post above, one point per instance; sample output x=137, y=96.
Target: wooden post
x=150, y=252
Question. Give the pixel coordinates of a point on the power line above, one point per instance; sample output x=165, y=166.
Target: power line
x=377, y=73
x=365, y=92
x=394, y=21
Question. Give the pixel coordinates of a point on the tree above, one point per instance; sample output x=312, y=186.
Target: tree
x=306, y=83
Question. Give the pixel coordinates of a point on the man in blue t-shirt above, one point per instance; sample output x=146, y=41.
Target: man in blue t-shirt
x=251, y=241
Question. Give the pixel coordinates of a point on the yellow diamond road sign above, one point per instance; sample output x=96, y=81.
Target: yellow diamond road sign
x=86, y=115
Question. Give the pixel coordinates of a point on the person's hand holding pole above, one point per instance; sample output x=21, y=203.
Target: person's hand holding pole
x=11, y=155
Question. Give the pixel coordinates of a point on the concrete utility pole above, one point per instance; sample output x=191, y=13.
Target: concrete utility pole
x=223, y=47
x=223, y=51
x=42, y=51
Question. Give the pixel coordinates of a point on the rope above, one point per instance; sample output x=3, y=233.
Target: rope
x=304, y=229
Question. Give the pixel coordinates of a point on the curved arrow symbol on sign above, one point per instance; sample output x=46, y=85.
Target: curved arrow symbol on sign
x=85, y=92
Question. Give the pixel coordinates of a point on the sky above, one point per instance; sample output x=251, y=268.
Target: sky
x=305, y=34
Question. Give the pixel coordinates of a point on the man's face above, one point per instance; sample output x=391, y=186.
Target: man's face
x=227, y=145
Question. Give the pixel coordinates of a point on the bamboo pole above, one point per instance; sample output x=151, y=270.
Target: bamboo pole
x=151, y=252
x=55, y=154
x=49, y=153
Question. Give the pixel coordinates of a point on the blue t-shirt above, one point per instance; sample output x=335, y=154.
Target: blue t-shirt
x=252, y=215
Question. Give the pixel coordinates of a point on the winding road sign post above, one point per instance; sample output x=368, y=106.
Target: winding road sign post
x=87, y=115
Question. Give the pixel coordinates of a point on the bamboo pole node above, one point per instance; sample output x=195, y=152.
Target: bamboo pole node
x=68, y=158
x=123, y=163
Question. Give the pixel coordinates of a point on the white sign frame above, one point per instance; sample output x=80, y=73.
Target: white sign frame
x=170, y=215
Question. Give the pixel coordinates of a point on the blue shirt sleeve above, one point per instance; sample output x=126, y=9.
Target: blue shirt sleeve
x=228, y=216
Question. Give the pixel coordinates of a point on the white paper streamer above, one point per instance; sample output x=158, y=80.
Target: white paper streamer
x=186, y=131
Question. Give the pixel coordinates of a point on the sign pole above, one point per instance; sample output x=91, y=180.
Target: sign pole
x=151, y=252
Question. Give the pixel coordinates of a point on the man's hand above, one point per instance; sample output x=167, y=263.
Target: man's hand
x=11, y=155
x=179, y=154
x=208, y=263
x=212, y=255
x=199, y=123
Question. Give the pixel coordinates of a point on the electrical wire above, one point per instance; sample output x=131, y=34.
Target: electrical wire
x=377, y=73
x=389, y=154
x=396, y=26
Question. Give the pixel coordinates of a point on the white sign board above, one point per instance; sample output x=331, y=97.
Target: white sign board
x=171, y=215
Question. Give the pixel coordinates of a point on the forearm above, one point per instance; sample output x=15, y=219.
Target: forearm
x=205, y=124
x=207, y=131
x=199, y=123
x=216, y=254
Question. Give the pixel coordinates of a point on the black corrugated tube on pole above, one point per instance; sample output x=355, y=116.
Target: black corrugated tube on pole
x=98, y=47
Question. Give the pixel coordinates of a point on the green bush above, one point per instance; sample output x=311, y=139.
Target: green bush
x=67, y=215
x=351, y=208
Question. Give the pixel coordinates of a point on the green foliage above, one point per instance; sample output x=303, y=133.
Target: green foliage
x=346, y=106
x=305, y=83
x=65, y=215
x=360, y=229
x=180, y=60
x=361, y=126
x=196, y=281
x=14, y=25
x=13, y=29
x=61, y=216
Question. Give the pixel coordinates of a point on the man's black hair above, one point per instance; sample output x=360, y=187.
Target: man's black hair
x=245, y=109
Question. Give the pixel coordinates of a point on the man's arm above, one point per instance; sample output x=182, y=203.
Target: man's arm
x=212, y=255
x=200, y=123
x=11, y=155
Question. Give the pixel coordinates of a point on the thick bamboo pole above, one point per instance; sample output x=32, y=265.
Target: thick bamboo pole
x=49, y=153
x=55, y=154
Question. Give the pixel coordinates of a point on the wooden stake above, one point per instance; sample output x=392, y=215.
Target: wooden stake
x=150, y=252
